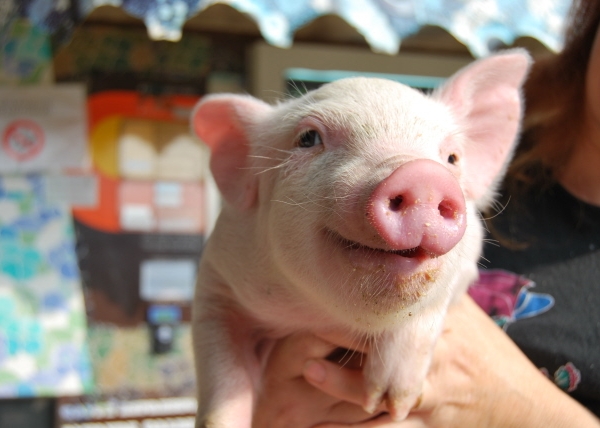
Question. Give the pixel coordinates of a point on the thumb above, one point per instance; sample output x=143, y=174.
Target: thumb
x=339, y=382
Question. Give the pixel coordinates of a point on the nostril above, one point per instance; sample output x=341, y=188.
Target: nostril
x=396, y=203
x=447, y=209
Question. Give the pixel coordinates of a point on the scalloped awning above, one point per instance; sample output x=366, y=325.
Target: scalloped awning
x=481, y=25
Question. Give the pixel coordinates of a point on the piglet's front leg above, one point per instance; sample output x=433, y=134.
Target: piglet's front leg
x=398, y=363
x=224, y=365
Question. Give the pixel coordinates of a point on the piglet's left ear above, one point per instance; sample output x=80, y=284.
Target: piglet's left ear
x=485, y=99
x=224, y=122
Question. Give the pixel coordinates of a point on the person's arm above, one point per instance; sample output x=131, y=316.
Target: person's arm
x=479, y=378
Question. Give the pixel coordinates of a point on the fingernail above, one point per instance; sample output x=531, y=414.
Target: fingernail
x=373, y=401
x=370, y=407
x=314, y=371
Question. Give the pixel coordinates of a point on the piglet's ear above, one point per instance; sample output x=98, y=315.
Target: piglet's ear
x=223, y=122
x=485, y=99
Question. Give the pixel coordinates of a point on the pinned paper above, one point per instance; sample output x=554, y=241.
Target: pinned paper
x=43, y=128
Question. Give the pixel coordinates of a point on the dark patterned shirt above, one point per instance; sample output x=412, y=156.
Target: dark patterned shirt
x=555, y=288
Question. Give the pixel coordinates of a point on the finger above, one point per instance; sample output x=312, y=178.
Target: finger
x=383, y=421
x=345, y=412
x=289, y=354
x=296, y=403
x=339, y=382
x=305, y=345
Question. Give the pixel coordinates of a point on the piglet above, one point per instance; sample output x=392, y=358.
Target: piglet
x=352, y=213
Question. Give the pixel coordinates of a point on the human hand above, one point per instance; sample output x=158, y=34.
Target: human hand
x=478, y=378
x=287, y=400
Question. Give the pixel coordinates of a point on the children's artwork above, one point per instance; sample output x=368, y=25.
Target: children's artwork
x=43, y=348
x=140, y=244
x=25, y=53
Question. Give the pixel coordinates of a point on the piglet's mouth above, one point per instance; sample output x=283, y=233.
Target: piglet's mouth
x=410, y=253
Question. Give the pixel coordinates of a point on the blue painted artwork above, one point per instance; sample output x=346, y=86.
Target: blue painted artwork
x=43, y=349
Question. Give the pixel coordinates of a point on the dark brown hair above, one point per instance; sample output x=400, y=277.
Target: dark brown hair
x=554, y=103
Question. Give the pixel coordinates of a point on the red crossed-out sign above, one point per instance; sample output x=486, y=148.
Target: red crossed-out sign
x=23, y=139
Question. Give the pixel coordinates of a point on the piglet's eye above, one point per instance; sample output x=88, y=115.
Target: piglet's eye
x=309, y=139
x=452, y=159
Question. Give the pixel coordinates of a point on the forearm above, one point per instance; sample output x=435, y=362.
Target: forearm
x=517, y=393
x=540, y=403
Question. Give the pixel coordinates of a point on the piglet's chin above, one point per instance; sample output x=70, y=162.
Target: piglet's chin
x=377, y=297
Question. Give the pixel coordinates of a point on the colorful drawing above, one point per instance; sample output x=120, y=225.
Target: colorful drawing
x=507, y=297
x=42, y=315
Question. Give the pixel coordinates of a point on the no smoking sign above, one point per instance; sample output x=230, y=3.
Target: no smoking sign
x=23, y=139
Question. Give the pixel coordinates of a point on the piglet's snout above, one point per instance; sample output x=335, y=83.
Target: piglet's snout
x=419, y=205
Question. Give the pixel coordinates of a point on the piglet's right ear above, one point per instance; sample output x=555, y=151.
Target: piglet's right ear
x=223, y=123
